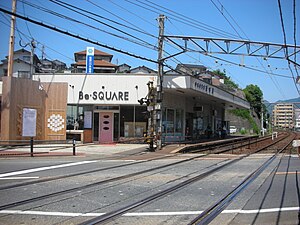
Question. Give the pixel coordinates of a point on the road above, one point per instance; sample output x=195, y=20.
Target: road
x=86, y=187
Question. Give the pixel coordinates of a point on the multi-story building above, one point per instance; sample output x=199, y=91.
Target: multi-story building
x=284, y=115
x=297, y=119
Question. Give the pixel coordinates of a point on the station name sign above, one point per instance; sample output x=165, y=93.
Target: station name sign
x=199, y=86
x=105, y=96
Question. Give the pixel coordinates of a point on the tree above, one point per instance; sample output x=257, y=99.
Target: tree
x=227, y=80
x=254, y=96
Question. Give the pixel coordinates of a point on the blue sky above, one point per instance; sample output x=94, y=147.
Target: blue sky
x=256, y=20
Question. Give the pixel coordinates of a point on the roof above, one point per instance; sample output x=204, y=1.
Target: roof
x=97, y=63
x=96, y=52
x=191, y=66
x=139, y=68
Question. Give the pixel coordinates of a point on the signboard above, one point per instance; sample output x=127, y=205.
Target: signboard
x=89, y=60
x=88, y=119
x=29, y=122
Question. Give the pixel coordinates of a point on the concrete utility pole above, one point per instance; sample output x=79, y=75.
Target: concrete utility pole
x=11, y=40
x=159, y=98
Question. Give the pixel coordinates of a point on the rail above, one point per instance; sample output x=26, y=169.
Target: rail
x=213, y=211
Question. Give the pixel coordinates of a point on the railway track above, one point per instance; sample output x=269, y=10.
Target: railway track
x=118, y=212
x=213, y=210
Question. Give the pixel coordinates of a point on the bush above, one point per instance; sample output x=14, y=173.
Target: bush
x=245, y=114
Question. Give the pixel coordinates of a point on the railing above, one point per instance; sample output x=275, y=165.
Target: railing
x=31, y=144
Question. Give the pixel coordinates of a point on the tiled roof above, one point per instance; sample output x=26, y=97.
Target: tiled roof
x=97, y=63
x=96, y=52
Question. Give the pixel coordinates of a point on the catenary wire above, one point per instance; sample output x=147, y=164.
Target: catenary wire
x=182, y=19
x=259, y=61
x=53, y=28
x=295, y=40
x=134, y=28
x=139, y=42
x=284, y=39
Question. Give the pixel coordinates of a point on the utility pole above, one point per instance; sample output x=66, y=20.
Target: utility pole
x=32, y=47
x=11, y=40
x=159, y=90
x=262, y=121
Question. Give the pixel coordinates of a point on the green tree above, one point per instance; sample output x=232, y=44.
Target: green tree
x=254, y=96
x=227, y=80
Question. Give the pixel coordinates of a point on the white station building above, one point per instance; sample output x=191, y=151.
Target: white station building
x=105, y=107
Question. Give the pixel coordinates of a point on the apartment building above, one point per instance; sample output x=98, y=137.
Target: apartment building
x=284, y=115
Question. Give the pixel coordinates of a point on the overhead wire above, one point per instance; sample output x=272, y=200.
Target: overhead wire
x=139, y=42
x=53, y=28
x=20, y=34
x=121, y=18
x=180, y=18
x=134, y=28
x=284, y=39
x=295, y=40
x=266, y=71
x=97, y=5
x=26, y=22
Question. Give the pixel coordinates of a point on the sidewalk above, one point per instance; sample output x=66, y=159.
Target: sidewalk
x=67, y=149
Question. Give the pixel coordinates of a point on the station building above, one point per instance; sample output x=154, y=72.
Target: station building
x=104, y=107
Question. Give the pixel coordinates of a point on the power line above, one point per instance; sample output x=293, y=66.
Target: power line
x=76, y=36
x=26, y=23
x=226, y=18
x=139, y=42
x=126, y=10
x=284, y=39
x=179, y=17
x=137, y=29
x=259, y=61
x=295, y=42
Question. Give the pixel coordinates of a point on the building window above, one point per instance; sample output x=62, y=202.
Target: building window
x=173, y=121
x=133, y=121
x=24, y=74
x=75, y=116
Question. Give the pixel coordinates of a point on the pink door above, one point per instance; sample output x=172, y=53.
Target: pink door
x=106, y=127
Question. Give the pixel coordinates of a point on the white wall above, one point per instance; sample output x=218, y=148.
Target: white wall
x=102, y=88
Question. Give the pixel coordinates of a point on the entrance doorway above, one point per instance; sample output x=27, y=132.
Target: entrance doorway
x=106, y=127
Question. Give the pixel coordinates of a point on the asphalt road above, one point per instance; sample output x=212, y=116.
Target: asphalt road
x=273, y=198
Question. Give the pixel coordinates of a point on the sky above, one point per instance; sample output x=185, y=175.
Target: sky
x=131, y=26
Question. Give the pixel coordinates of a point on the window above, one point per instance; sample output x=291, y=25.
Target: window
x=76, y=114
x=133, y=121
x=24, y=74
x=26, y=58
x=173, y=121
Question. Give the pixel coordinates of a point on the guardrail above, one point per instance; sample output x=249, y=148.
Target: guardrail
x=32, y=144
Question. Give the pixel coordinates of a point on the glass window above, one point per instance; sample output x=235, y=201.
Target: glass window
x=179, y=120
x=133, y=121
x=75, y=116
x=170, y=120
